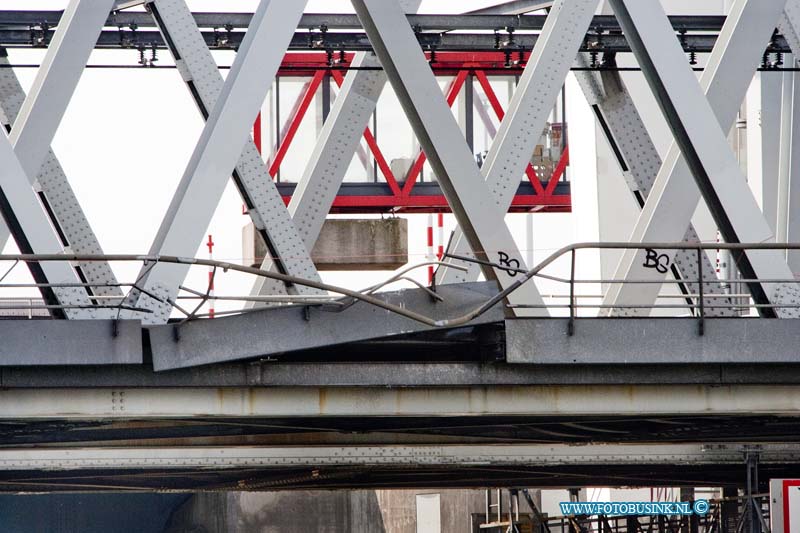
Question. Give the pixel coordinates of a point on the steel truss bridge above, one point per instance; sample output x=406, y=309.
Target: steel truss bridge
x=128, y=384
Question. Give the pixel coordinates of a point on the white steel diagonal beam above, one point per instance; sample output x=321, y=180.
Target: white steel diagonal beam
x=701, y=140
x=541, y=82
x=25, y=217
x=56, y=80
x=341, y=135
x=219, y=147
x=32, y=133
x=68, y=217
x=438, y=132
x=639, y=162
x=260, y=195
x=674, y=195
x=789, y=25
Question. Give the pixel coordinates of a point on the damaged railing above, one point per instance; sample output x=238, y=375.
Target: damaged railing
x=339, y=298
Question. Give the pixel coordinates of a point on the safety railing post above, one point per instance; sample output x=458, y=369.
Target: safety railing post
x=571, y=324
x=701, y=303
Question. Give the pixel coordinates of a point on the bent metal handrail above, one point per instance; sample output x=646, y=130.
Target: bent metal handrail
x=224, y=266
x=367, y=297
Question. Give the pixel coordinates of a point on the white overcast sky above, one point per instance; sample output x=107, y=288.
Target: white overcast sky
x=128, y=134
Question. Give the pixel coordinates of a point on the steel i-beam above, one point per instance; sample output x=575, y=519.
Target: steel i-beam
x=219, y=148
x=381, y=401
x=440, y=136
x=393, y=456
x=695, y=114
x=530, y=106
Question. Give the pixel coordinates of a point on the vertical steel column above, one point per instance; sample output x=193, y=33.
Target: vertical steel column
x=791, y=219
x=466, y=111
x=784, y=151
x=689, y=523
x=536, y=94
x=294, y=120
x=701, y=140
x=479, y=216
x=483, y=113
x=729, y=510
x=789, y=26
x=763, y=115
x=220, y=146
x=259, y=193
x=674, y=194
x=325, y=91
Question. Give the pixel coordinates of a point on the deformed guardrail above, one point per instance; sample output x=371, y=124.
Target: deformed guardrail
x=340, y=297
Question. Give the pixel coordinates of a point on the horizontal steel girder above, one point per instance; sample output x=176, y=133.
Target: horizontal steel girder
x=343, y=21
x=74, y=342
x=221, y=458
x=730, y=351
x=358, y=42
x=378, y=198
x=471, y=373
x=397, y=374
x=652, y=341
x=514, y=7
x=382, y=401
x=287, y=329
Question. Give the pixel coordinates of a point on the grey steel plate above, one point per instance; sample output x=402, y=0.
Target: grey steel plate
x=653, y=341
x=288, y=329
x=70, y=342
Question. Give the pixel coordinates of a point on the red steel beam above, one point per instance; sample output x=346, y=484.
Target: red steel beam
x=294, y=122
x=488, y=90
x=438, y=203
x=460, y=64
x=305, y=64
x=416, y=169
x=372, y=143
